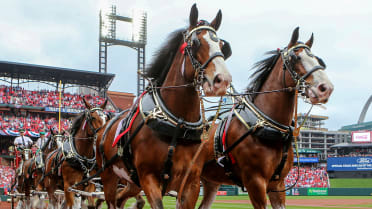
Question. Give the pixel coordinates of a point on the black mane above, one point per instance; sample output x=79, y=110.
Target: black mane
x=263, y=70
x=162, y=61
x=76, y=124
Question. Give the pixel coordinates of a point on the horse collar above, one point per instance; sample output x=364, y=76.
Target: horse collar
x=159, y=118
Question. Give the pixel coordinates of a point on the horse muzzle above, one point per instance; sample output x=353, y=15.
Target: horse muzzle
x=320, y=93
x=218, y=86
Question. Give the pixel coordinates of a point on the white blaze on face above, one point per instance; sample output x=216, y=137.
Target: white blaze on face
x=218, y=62
x=103, y=116
x=309, y=62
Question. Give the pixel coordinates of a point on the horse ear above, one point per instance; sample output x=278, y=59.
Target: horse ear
x=87, y=105
x=309, y=43
x=103, y=105
x=294, y=38
x=217, y=20
x=193, y=16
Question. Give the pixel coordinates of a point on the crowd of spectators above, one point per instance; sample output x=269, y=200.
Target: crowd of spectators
x=309, y=177
x=45, y=98
x=6, y=175
x=32, y=122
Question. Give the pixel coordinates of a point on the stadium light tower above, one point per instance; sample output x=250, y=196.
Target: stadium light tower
x=107, y=37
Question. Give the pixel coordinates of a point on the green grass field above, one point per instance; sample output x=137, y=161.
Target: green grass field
x=170, y=202
x=351, y=183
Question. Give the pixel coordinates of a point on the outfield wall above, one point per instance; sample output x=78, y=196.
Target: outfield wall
x=330, y=192
x=325, y=192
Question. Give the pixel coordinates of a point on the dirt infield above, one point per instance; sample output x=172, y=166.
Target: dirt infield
x=5, y=205
x=331, y=203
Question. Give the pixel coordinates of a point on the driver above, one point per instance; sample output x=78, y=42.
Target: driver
x=40, y=143
x=21, y=142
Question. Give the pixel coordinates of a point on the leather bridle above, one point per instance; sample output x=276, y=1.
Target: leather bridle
x=198, y=67
x=89, y=119
x=289, y=60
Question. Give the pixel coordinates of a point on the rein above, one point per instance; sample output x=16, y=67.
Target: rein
x=205, y=139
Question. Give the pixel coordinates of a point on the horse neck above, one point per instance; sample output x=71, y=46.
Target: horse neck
x=183, y=102
x=83, y=145
x=279, y=106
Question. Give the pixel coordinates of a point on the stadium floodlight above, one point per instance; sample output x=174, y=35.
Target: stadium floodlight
x=105, y=22
x=139, y=26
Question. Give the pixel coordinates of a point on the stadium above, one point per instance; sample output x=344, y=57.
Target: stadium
x=333, y=168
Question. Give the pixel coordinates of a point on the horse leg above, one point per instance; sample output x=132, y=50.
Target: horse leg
x=151, y=187
x=110, y=183
x=129, y=191
x=99, y=203
x=140, y=202
x=256, y=187
x=51, y=188
x=19, y=203
x=27, y=193
x=209, y=194
x=190, y=194
x=69, y=196
x=277, y=199
x=91, y=188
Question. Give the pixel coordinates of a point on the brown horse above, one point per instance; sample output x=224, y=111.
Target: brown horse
x=76, y=160
x=37, y=168
x=257, y=137
x=23, y=180
x=165, y=123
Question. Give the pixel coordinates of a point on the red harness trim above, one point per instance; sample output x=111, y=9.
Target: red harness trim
x=130, y=125
x=224, y=145
x=182, y=48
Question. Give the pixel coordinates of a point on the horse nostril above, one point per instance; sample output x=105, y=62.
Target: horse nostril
x=323, y=87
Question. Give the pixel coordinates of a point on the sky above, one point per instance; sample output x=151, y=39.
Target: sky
x=65, y=34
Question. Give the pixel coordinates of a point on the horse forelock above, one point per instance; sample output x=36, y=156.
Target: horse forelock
x=263, y=69
x=163, y=58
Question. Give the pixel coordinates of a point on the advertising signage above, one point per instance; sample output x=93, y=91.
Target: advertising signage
x=361, y=136
x=64, y=110
x=307, y=160
x=349, y=164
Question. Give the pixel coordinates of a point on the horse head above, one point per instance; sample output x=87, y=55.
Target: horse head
x=207, y=54
x=307, y=70
x=56, y=139
x=95, y=118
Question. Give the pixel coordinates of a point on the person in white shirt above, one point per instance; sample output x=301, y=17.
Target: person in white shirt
x=41, y=141
x=23, y=141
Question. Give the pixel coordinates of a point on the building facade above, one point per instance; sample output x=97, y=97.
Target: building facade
x=314, y=136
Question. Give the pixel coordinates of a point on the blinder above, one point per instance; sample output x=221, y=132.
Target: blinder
x=321, y=62
x=195, y=42
x=226, y=49
x=290, y=58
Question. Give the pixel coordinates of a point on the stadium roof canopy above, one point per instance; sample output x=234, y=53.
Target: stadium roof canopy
x=22, y=71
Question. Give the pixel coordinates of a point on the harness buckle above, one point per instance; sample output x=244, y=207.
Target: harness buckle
x=157, y=113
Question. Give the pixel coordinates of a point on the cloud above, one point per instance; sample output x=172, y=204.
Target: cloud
x=65, y=34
